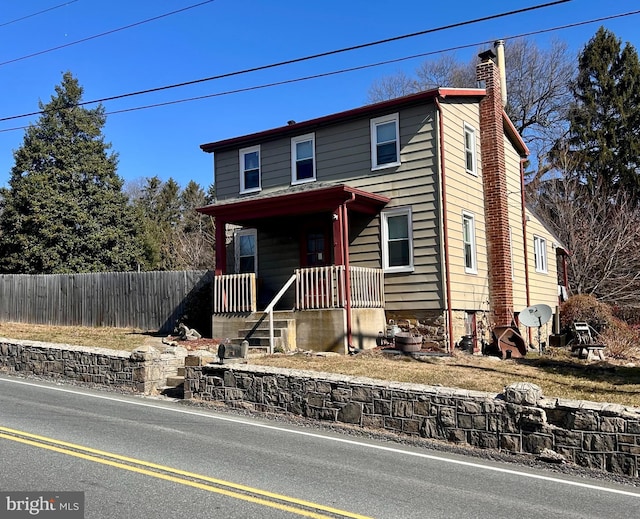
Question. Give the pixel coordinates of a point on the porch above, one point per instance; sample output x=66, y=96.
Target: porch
x=334, y=308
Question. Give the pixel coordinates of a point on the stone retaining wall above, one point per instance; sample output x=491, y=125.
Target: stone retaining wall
x=520, y=420
x=144, y=369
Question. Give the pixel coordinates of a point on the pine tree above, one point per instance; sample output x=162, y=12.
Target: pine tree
x=64, y=210
x=604, y=137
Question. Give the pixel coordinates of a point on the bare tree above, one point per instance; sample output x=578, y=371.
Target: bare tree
x=602, y=234
x=539, y=95
x=389, y=87
x=447, y=71
x=538, y=91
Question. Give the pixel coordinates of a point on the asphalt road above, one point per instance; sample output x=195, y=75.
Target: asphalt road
x=153, y=458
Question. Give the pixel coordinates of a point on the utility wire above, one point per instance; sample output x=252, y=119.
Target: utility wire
x=361, y=67
x=88, y=38
x=36, y=14
x=305, y=58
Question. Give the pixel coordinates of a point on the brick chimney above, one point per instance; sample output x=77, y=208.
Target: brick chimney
x=494, y=179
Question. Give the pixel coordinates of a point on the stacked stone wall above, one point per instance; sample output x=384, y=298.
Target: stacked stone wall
x=520, y=420
x=143, y=370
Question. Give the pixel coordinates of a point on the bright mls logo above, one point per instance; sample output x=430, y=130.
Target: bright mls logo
x=51, y=505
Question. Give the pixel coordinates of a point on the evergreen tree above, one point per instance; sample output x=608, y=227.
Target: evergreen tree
x=176, y=236
x=604, y=138
x=64, y=210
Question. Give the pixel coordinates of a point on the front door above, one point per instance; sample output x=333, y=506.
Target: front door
x=315, y=250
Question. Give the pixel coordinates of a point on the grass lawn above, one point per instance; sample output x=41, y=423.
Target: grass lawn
x=558, y=373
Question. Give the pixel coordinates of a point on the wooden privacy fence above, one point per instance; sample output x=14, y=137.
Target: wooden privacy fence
x=141, y=300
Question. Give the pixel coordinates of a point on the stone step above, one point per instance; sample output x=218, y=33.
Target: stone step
x=180, y=371
x=174, y=381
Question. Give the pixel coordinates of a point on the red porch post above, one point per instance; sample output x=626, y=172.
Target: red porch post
x=221, y=247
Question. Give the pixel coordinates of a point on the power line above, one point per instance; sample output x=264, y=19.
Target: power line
x=36, y=14
x=112, y=31
x=370, y=65
x=305, y=58
x=360, y=67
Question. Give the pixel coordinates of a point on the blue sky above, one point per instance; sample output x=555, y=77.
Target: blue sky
x=224, y=36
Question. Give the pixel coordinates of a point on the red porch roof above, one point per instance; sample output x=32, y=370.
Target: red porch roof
x=288, y=203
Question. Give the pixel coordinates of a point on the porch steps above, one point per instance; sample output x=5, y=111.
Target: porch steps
x=256, y=332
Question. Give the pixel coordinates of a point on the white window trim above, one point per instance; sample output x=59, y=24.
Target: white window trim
x=540, y=254
x=243, y=152
x=467, y=216
x=468, y=129
x=295, y=140
x=385, y=239
x=236, y=247
x=374, y=148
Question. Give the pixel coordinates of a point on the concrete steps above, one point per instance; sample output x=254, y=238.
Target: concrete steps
x=256, y=333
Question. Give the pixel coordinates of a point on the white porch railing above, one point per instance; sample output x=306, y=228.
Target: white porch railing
x=324, y=287
x=317, y=288
x=234, y=293
x=367, y=287
x=320, y=287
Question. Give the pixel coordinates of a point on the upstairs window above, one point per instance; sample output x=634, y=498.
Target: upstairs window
x=469, y=243
x=250, y=169
x=385, y=142
x=303, y=161
x=470, y=150
x=397, y=240
x=540, y=254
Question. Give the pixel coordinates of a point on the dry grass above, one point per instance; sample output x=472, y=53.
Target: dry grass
x=112, y=338
x=557, y=373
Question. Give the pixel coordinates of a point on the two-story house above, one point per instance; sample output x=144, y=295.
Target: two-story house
x=411, y=208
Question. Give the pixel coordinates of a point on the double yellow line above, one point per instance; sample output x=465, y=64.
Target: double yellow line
x=218, y=486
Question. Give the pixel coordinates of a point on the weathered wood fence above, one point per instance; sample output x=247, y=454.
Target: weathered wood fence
x=151, y=301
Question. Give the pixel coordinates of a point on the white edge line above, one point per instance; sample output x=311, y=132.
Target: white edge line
x=331, y=438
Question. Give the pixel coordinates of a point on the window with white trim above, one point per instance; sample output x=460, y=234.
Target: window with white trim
x=246, y=251
x=303, y=159
x=469, y=243
x=385, y=142
x=250, y=169
x=470, y=150
x=397, y=240
x=540, y=254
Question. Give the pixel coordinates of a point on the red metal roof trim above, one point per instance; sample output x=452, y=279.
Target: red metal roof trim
x=516, y=138
x=306, y=126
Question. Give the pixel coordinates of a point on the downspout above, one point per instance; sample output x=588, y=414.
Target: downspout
x=347, y=273
x=445, y=228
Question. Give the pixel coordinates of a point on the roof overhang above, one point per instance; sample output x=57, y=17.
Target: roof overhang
x=291, y=203
x=369, y=110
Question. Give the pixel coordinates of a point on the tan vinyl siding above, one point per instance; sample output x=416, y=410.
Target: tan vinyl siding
x=469, y=291
x=543, y=287
x=514, y=199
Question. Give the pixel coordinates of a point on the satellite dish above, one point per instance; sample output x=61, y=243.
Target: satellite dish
x=535, y=316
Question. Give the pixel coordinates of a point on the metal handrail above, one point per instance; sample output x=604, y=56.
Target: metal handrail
x=269, y=309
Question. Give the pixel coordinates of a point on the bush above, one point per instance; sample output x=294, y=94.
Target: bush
x=621, y=340
x=585, y=308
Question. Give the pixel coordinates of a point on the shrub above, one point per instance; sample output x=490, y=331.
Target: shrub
x=621, y=340
x=585, y=308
